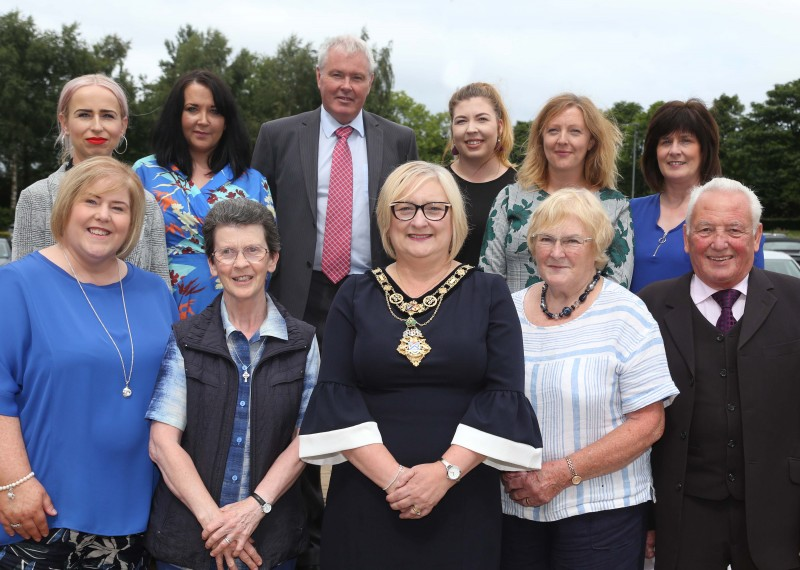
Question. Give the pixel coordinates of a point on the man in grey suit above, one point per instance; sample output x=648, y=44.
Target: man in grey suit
x=296, y=155
x=727, y=469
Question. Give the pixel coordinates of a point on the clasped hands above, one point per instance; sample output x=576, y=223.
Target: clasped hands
x=228, y=534
x=418, y=490
x=535, y=488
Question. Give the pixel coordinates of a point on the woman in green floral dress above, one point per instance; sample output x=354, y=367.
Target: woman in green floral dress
x=571, y=145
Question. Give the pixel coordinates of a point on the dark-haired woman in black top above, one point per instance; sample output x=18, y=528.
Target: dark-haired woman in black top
x=201, y=156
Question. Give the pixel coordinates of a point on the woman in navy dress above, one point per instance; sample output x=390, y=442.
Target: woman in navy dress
x=420, y=388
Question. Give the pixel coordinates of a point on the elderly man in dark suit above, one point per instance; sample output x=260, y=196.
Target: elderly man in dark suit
x=727, y=469
x=325, y=168
x=299, y=157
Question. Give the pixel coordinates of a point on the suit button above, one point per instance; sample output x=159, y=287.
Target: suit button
x=731, y=408
x=731, y=443
x=731, y=477
x=679, y=486
x=683, y=435
x=723, y=372
x=720, y=338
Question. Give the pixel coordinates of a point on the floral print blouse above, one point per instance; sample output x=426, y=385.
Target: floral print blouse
x=185, y=206
x=505, y=248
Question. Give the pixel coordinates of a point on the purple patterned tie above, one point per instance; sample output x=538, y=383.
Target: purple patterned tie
x=339, y=215
x=725, y=299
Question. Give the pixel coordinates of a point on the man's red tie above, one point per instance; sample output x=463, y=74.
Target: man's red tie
x=339, y=216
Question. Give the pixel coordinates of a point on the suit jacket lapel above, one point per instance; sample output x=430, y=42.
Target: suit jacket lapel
x=678, y=320
x=309, y=156
x=758, y=304
x=374, y=135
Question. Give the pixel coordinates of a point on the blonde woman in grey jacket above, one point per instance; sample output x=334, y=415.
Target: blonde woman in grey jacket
x=92, y=119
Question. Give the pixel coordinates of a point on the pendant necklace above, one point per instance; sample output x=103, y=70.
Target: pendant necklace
x=126, y=374
x=413, y=345
x=245, y=372
x=567, y=311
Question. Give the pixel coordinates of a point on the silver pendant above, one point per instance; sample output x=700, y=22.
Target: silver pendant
x=246, y=375
x=126, y=392
x=11, y=495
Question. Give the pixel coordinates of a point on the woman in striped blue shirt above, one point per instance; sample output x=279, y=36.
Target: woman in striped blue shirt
x=597, y=377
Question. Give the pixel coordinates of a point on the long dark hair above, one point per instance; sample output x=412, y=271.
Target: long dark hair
x=171, y=146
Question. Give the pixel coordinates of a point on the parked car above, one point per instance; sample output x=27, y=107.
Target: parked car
x=780, y=242
x=5, y=251
x=781, y=263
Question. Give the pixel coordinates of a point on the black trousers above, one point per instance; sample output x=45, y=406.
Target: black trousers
x=713, y=535
x=605, y=540
x=320, y=297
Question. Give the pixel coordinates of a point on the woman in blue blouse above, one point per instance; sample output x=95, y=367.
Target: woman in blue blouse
x=681, y=151
x=75, y=475
x=201, y=156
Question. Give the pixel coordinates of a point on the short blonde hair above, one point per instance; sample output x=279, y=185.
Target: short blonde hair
x=600, y=165
x=583, y=205
x=403, y=182
x=117, y=176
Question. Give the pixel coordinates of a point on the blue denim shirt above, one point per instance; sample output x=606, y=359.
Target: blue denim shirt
x=168, y=404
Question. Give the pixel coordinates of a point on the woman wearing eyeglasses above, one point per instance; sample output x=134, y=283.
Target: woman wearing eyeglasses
x=230, y=397
x=420, y=397
x=597, y=376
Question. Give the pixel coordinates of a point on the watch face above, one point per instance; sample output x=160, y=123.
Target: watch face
x=576, y=480
x=453, y=472
x=266, y=508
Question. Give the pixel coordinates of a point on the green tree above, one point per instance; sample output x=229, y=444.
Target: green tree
x=729, y=113
x=771, y=144
x=430, y=128
x=522, y=130
x=632, y=121
x=34, y=66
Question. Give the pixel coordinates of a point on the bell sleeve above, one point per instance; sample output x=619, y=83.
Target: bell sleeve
x=337, y=418
x=500, y=422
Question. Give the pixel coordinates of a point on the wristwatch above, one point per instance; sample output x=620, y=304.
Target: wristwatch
x=576, y=479
x=453, y=472
x=265, y=506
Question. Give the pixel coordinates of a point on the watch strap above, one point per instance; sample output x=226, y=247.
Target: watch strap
x=258, y=498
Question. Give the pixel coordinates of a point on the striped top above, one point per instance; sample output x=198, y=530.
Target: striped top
x=582, y=377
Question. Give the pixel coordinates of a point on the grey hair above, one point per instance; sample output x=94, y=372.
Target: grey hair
x=728, y=185
x=349, y=45
x=241, y=212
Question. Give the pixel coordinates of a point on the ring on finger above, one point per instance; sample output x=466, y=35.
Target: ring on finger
x=15, y=525
x=415, y=510
x=227, y=540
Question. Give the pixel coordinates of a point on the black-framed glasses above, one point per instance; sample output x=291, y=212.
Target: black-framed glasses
x=405, y=211
x=568, y=243
x=252, y=253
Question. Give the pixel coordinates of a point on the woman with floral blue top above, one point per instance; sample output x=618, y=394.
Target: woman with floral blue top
x=202, y=153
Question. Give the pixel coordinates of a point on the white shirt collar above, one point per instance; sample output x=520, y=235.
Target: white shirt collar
x=700, y=292
x=328, y=124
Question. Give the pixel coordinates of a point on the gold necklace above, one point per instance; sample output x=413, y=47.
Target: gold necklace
x=413, y=344
x=127, y=374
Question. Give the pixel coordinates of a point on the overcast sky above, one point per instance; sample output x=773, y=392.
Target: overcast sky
x=611, y=50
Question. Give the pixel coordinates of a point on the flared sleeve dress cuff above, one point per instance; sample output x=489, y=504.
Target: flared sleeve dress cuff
x=502, y=425
x=336, y=420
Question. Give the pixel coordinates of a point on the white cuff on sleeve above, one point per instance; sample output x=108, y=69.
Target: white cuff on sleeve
x=326, y=448
x=501, y=453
